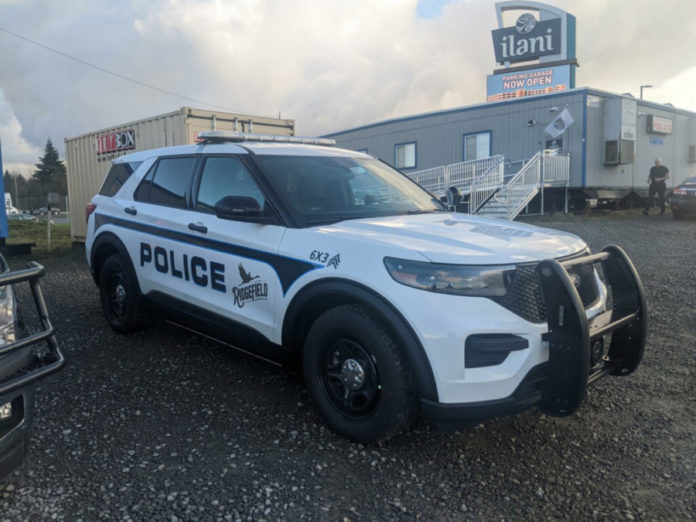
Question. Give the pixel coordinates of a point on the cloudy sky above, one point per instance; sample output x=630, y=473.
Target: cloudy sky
x=328, y=64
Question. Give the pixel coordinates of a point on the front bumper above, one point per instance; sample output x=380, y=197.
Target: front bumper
x=559, y=384
x=17, y=388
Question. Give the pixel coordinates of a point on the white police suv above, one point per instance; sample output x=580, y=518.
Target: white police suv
x=396, y=307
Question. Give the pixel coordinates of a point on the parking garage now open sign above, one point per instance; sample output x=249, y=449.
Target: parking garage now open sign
x=518, y=84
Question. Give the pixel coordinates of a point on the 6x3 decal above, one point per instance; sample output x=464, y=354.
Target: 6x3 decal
x=326, y=258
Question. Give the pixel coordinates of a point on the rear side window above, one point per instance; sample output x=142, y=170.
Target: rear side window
x=166, y=183
x=116, y=177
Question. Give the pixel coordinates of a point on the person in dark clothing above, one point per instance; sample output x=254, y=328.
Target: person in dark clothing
x=657, y=177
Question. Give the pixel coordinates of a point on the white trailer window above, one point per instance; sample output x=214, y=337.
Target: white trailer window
x=405, y=155
x=477, y=145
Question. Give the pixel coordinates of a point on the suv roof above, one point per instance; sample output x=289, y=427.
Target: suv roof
x=240, y=143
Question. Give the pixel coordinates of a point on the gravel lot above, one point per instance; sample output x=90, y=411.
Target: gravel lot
x=165, y=425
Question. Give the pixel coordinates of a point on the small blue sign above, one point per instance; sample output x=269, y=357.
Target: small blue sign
x=656, y=141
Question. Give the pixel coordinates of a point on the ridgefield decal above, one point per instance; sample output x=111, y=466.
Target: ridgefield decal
x=250, y=289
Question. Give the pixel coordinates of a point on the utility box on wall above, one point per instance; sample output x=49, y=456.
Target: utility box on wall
x=620, y=117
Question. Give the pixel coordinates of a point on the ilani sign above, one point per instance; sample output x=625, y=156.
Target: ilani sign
x=527, y=40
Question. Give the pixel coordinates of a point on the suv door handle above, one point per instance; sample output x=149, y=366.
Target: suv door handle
x=130, y=210
x=198, y=227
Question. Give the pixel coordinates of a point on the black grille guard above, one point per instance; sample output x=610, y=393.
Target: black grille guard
x=571, y=334
x=54, y=359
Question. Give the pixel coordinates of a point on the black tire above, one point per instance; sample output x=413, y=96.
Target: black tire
x=120, y=296
x=348, y=342
x=676, y=214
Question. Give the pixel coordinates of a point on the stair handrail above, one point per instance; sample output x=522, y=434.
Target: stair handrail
x=522, y=187
x=486, y=185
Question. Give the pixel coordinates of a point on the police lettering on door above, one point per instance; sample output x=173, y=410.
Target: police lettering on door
x=181, y=266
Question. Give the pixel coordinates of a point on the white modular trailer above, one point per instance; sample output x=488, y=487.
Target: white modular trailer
x=89, y=156
x=612, y=140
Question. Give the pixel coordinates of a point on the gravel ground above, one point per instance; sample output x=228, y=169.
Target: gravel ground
x=165, y=425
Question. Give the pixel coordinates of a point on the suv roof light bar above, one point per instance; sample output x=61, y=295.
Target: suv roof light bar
x=227, y=136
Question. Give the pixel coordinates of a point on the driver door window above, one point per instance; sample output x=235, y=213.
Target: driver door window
x=225, y=176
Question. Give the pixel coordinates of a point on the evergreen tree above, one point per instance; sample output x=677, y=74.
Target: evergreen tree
x=50, y=168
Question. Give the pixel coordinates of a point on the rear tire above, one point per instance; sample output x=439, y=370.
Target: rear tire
x=359, y=381
x=676, y=214
x=120, y=296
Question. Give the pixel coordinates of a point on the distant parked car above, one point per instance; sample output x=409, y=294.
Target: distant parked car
x=43, y=211
x=683, y=200
x=22, y=217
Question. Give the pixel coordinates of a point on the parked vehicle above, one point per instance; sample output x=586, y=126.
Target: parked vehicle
x=683, y=199
x=44, y=211
x=21, y=216
x=21, y=364
x=395, y=306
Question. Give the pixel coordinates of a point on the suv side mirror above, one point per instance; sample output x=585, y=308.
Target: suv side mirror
x=242, y=208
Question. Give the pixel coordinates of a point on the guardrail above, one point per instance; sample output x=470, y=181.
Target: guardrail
x=461, y=175
x=556, y=168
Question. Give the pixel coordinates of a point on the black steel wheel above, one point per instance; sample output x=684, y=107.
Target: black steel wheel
x=355, y=374
x=349, y=378
x=120, y=297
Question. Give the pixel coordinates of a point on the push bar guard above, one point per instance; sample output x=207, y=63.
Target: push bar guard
x=571, y=334
x=48, y=363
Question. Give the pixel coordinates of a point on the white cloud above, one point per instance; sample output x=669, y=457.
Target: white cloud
x=676, y=90
x=329, y=64
x=18, y=154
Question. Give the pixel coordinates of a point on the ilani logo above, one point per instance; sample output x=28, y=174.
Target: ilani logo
x=527, y=40
x=525, y=23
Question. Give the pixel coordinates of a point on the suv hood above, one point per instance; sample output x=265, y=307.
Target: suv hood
x=443, y=237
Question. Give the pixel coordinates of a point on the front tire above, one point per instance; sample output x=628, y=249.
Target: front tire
x=355, y=374
x=119, y=294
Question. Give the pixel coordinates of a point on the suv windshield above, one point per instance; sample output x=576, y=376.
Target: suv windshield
x=325, y=189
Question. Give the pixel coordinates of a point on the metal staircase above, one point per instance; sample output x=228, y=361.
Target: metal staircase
x=512, y=197
x=482, y=181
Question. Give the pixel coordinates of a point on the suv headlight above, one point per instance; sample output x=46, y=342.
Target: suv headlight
x=484, y=280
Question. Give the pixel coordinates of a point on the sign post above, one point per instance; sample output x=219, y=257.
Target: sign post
x=52, y=200
x=3, y=212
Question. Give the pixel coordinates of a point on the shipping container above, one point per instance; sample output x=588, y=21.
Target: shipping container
x=89, y=156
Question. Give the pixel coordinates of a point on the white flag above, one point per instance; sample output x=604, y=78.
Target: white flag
x=559, y=124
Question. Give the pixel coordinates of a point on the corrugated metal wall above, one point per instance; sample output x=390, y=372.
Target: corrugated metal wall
x=673, y=148
x=440, y=136
x=86, y=168
x=517, y=132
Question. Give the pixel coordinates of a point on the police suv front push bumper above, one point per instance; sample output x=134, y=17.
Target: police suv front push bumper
x=17, y=389
x=559, y=385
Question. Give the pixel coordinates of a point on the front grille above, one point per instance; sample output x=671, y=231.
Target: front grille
x=524, y=297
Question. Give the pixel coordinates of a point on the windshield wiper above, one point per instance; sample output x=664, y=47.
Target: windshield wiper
x=316, y=222
x=413, y=212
